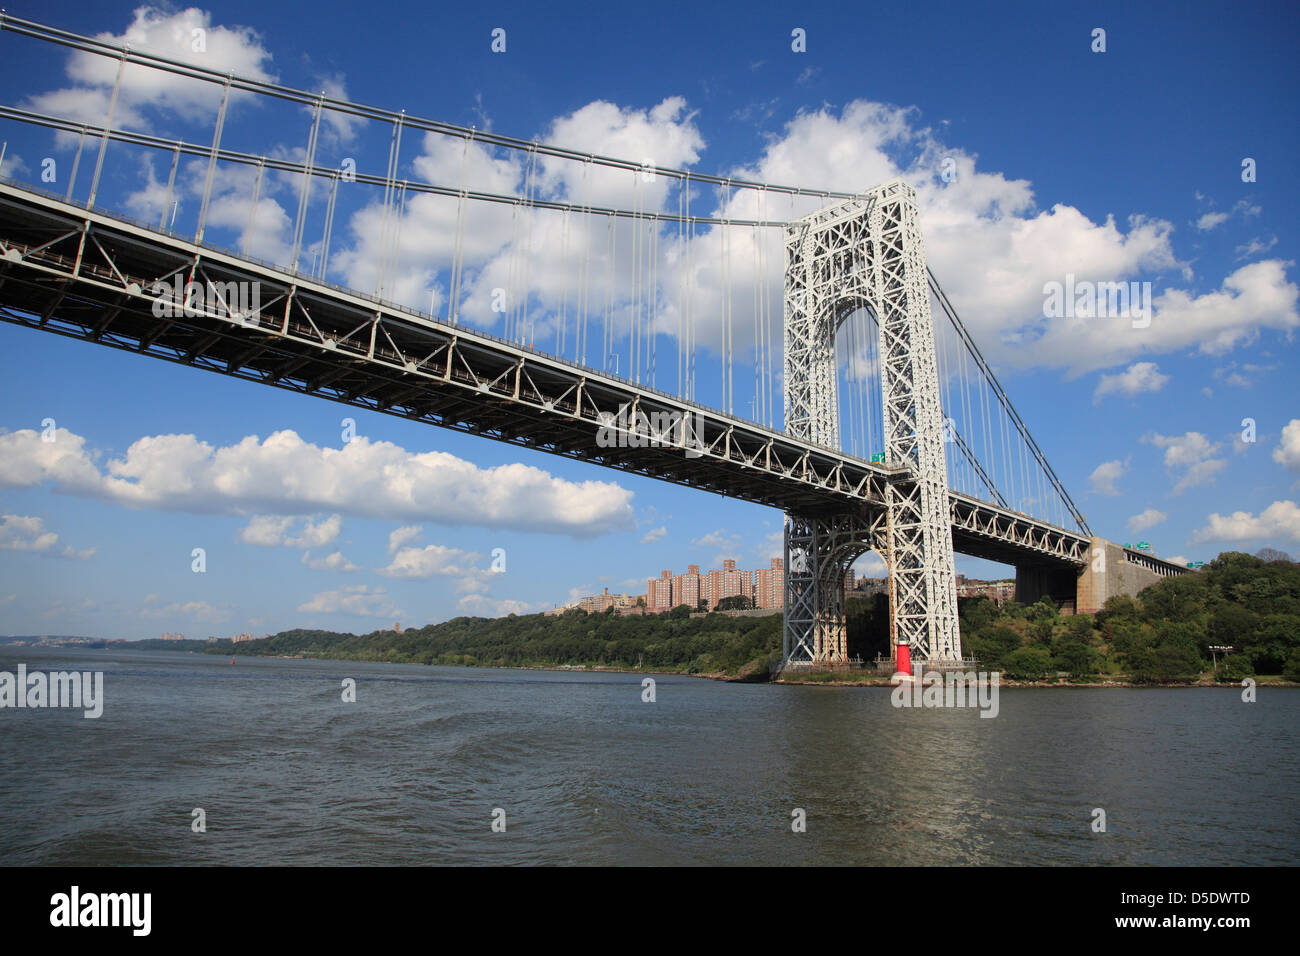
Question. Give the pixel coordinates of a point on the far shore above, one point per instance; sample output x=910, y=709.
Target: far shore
x=811, y=679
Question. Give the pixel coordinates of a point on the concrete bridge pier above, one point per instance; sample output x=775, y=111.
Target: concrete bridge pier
x=1111, y=570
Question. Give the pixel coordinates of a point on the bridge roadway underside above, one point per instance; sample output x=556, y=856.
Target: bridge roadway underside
x=89, y=275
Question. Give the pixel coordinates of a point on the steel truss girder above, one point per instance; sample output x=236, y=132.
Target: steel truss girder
x=1002, y=529
x=868, y=253
x=315, y=338
x=407, y=364
x=818, y=553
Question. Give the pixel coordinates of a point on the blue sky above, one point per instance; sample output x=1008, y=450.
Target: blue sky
x=1116, y=165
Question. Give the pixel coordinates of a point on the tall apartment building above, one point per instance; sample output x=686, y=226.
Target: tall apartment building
x=687, y=588
x=769, y=585
x=659, y=592
x=765, y=587
x=729, y=582
x=599, y=603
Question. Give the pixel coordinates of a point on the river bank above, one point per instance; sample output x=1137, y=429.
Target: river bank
x=829, y=679
x=755, y=673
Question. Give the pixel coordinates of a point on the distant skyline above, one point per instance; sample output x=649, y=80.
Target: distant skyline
x=1123, y=165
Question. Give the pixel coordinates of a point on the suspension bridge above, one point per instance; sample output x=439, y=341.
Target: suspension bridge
x=627, y=302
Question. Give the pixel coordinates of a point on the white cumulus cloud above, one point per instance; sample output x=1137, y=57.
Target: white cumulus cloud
x=432, y=560
x=358, y=600
x=1279, y=521
x=1189, y=458
x=335, y=561
x=285, y=474
x=1137, y=378
x=1105, y=475
x=1147, y=519
x=275, y=531
x=28, y=533
x=1287, y=453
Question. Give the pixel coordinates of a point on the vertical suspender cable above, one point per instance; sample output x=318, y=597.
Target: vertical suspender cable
x=586, y=268
x=76, y=161
x=458, y=252
x=252, y=209
x=108, y=129
x=530, y=215
x=329, y=225
x=634, y=325
x=390, y=178
x=212, y=163
x=654, y=300
x=171, y=183
x=681, y=288
x=561, y=333
x=309, y=171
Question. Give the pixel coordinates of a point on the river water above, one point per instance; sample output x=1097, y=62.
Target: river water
x=586, y=772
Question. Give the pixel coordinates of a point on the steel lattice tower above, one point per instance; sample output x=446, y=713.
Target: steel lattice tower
x=867, y=253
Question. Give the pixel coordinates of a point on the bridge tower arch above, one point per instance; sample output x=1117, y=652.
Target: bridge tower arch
x=867, y=252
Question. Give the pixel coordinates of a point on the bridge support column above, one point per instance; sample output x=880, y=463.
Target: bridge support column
x=818, y=553
x=868, y=253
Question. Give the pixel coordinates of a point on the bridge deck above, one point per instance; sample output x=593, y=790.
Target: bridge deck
x=91, y=275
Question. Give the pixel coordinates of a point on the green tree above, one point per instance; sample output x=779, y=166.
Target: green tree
x=1291, y=670
x=1029, y=663
x=737, y=603
x=1234, y=667
x=1142, y=664
x=976, y=613
x=1175, y=660
x=1076, y=657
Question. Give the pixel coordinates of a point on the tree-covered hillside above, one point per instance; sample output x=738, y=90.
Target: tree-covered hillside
x=713, y=643
x=1165, y=634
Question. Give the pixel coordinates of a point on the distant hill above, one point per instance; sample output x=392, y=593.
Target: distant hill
x=676, y=642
